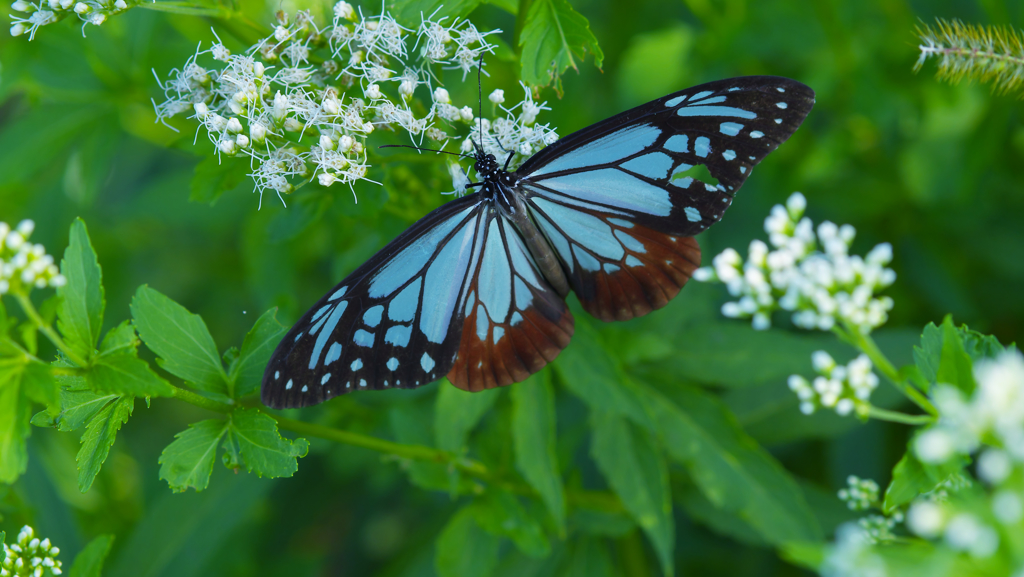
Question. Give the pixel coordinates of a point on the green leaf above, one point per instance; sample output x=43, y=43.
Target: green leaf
x=463, y=550
x=247, y=372
x=78, y=406
x=589, y=558
x=99, y=437
x=120, y=340
x=553, y=36
x=40, y=386
x=911, y=477
x=534, y=438
x=591, y=374
x=730, y=468
x=80, y=316
x=124, y=374
x=263, y=450
x=979, y=346
x=89, y=561
x=955, y=367
x=188, y=461
x=214, y=176
x=14, y=426
x=602, y=524
x=634, y=468
x=181, y=340
x=457, y=412
x=501, y=514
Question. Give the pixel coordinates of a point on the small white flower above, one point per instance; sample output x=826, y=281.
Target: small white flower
x=17, y=29
x=934, y=446
x=82, y=8
x=497, y=97
x=21, y=6
x=326, y=178
x=373, y=92
x=344, y=11
x=466, y=113
x=228, y=147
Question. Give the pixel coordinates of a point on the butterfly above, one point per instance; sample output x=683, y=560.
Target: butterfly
x=476, y=289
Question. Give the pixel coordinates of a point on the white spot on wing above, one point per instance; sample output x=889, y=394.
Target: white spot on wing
x=692, y=214
x=326, y=378
x=756, y=134
x=288, y=386
x=427, y=363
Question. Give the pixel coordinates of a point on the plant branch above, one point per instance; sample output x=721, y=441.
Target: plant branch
x=897, y=417
x=863, y=342
x=33, y=315
x=201, y=401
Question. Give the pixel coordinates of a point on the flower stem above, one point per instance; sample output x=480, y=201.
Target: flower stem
x=897, y=417
x=33, y=315
x=866, y=344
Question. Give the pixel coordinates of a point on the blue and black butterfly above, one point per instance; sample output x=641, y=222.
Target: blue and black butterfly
x=476, y=289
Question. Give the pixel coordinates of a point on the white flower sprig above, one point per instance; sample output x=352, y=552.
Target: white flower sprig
x=844, y=389
x=24, y=265
x=39, y=14
x=30, y=556
x=811, y=275
x=992, y=415
x=302, y=102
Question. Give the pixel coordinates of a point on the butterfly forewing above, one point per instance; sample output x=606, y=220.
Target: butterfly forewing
x=393, y=323
x=617, y=204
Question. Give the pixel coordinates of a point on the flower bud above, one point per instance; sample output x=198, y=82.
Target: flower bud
x=466, y=113
x=497, y=97
x=21, y=6
x=441, y=95
x=202, y=110
x=326, y=143
x=82, y=8
x=345, y=143
x=292, y=125
x=18, y=29
x=121, y=5
x=242, y=141
x=326, y=179
x=227, y=147
x=257, y=132
x=234, y=125
x=373, y=92
x=344, y=10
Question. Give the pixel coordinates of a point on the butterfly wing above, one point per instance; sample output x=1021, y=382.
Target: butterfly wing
x=514, y=321
x=394, y=322
x=613, y=204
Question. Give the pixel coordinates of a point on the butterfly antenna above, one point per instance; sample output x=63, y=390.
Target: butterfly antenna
x=424, y=149
x=480, y=108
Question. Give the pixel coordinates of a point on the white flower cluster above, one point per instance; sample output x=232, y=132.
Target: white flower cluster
x=962, y=531
x=878, y=528
x=30, y=556
x=841, y=388
x=38, y=14
x=993, y=415
x=297, y=119
x=24, y=265
x=852, y=555
x=814, y=276
x=860, y=494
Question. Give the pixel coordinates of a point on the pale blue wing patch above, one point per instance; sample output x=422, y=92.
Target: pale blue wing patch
x=614, y=147
x=614, y=188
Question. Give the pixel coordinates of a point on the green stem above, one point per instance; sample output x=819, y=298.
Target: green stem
x=866, y=344
x=597, y=500
x=897, y=417
x=33, y=315
x=201, y=401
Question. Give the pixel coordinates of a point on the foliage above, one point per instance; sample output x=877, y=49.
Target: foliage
x=669, y=444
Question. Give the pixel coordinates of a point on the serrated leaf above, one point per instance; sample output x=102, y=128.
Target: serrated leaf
x=534, y=438
x=181, y=340
x=257, y=347
x=214, y=176
x=634, y=468
x=80, y=316
x=124, y=374
x=188, y=460
x=591, y=374
x=89, y=561
x=955, y=367
x=99, y=437
x=979, y=346
x=463, y=550
x=730, y=468
x=553, y=37
x=120, y=340
x=502, y=514
x=457, y=412
x=911, y=477
x=78, y=406
x=263, y=450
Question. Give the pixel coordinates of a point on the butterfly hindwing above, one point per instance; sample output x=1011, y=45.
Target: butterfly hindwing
x=515, y=323
x=394, y=322
x=615, y=200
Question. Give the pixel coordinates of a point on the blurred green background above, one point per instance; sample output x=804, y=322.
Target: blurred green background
x=935, y=169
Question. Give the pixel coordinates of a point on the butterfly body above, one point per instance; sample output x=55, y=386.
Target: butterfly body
x=476, y=289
